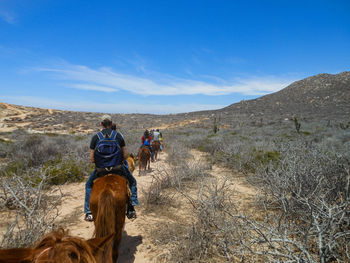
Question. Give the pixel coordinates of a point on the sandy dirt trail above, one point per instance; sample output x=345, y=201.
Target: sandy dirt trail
x=135, y=247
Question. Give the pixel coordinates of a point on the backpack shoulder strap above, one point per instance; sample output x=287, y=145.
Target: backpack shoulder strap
x=100, y=136
x=113, y=135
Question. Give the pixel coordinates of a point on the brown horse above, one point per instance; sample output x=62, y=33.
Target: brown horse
x=58, y=247
x=131, y=161
x=108, y=201
x=162, y=143
x=144, y=158
x=156, y=149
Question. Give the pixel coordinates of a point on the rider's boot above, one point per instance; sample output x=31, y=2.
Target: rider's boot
x=130, y=211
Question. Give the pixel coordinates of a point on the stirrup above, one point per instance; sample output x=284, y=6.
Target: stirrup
x=89, y=217
x=130, y=212
x=131, y=215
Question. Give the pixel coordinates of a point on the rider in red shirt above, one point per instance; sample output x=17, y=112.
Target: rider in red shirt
x=146, y=141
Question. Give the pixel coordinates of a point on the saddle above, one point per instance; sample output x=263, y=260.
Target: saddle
x=118, y=169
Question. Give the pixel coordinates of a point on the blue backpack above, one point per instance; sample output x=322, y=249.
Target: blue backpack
x=147, y=142
x=107, y=151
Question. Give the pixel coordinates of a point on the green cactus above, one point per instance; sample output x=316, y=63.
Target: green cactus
x=297, y=124
x=215, y=126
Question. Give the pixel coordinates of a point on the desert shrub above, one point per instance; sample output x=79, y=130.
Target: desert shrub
x=38, y=149
x=240, y=152
x=212, y=235
x=51, y=134
x=261, y=158
x=206, y=144
x=171, y=234
x=4, y=142
x=182, y=168
x=156, y=193
x=5, y=146
x=34, y=163
x=61, y=171
x=64, y=158
x=177, y=153
x=303, y=212
x=13, y=167
x=132, y=140
x=305, y=133
x=307, y=207
x=303, y=216
x=174, y=178
x=34, y=149
x=31, y=211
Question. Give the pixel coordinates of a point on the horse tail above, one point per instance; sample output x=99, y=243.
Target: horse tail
x=106, y=219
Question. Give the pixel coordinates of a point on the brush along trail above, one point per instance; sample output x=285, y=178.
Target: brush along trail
x=136, y=246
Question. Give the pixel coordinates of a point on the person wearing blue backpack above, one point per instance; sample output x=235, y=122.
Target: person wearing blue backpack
x=108, y=152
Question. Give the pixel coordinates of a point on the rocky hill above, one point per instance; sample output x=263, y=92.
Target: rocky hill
x=320, y=97
x=37, y=120
x=324, y=96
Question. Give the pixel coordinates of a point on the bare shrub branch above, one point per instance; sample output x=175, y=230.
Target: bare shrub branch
x=33, y=210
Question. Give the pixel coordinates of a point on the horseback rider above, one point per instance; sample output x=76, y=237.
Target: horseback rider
x=146, y=141
x=109, y=134
x=157, y=137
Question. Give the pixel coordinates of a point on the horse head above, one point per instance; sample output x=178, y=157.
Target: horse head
x=58, y=247
x=131, y=161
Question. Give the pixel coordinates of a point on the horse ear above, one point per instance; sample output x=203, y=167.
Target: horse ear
x=98, y=243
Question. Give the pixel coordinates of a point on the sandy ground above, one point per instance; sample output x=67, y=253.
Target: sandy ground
x=135, y=246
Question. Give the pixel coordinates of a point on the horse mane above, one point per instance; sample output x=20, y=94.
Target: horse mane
x=59, y=236
x=29, y=255
x=58, y=246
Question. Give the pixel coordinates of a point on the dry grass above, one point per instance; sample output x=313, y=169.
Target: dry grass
x=302, y=175
x=274, y=227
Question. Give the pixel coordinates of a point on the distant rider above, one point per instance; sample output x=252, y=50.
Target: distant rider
x=146, y=140
x=156, y=137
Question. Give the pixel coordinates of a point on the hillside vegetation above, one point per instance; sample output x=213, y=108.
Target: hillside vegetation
x=297, y=159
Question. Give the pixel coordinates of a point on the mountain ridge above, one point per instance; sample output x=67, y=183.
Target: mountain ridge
x=319, y=97
x=323, y=95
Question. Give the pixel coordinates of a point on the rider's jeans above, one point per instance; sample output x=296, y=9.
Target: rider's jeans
x=90, y=183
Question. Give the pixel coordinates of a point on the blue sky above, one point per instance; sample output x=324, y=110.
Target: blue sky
x=164, y=56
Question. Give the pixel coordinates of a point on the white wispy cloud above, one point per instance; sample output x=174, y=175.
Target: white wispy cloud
x=92, y=87
x=8, y=17
x=108, y=80
x=121, y=107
